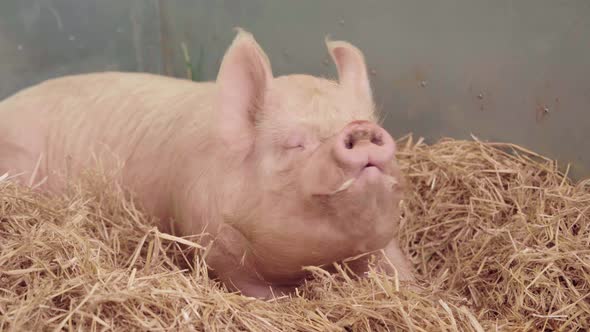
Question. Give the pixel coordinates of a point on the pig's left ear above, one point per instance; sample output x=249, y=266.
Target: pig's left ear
x=352, y=70
x=243, y=79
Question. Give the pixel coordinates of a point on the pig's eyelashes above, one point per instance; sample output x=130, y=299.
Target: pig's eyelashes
x=294, y=147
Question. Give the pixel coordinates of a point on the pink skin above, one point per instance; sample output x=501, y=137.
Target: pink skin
x=279, y=172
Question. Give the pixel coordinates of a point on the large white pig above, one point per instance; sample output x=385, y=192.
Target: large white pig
x=281, y=172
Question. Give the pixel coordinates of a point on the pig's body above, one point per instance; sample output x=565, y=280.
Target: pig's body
x=151, y=123
x=281, y=172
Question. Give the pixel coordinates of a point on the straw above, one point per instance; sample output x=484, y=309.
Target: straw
x=500, y=240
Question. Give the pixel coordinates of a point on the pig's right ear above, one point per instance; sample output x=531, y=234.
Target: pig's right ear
x=243, y=79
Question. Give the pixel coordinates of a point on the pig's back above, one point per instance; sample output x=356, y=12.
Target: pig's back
x=81, y=94
x=136, y=118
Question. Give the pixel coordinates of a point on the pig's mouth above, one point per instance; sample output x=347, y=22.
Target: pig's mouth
x=370, y=171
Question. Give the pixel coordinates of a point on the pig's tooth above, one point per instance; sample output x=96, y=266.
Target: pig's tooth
x=344, y=186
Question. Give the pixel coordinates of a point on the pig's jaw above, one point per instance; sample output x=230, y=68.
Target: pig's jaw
x=321, y=231
x=328, y=228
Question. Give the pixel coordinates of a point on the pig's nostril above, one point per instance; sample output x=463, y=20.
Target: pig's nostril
x=377, y=139
x=348, y=143
x=360, y=135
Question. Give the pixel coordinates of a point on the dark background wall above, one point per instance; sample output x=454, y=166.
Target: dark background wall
x=515, y=71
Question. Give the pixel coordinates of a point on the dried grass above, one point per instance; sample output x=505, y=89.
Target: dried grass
x=500, y=238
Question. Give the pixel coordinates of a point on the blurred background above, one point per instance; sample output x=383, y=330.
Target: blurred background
x=510, y=71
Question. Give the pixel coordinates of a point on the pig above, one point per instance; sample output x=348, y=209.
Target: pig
x=276, y=173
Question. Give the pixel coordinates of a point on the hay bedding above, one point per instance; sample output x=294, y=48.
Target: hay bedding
x=500, y=238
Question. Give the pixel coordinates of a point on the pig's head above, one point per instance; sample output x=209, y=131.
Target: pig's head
x=319, y=182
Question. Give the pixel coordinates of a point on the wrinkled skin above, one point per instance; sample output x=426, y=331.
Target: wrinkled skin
x=281, y=172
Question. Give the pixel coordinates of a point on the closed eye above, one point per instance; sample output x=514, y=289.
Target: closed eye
x=295, y=142
x=292, y=147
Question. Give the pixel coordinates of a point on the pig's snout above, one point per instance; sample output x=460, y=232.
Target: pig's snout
x=363, y=144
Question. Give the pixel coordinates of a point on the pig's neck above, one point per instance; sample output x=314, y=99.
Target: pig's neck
x=206, y=184
x=215, y=199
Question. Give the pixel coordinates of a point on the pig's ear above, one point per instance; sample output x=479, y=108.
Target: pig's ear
x=350, y=63
x=243, y=79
